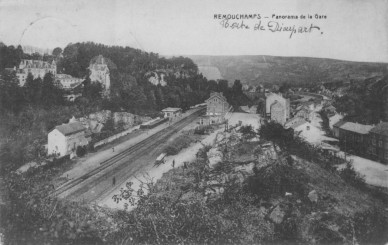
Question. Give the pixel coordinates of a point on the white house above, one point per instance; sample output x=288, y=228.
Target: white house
x=64, y=139
x=172, y=112
x=308, y=132
x=277, y=107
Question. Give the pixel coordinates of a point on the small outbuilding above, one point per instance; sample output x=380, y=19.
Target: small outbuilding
x=172, y=112
x=64, y=139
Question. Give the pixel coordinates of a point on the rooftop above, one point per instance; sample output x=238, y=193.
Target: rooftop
x=65, y=76
x=299, y=123
x=218, y=94
x=356, y=127
x=171, y=109
x=339, y=124
x=70, y=128
x=381, y=128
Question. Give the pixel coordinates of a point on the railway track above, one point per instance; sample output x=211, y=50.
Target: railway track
x=151, y=141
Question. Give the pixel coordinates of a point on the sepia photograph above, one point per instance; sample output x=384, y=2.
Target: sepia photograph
x=193, y=122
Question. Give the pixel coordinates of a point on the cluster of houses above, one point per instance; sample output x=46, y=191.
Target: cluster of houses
x=99, y=72
x=370, y=141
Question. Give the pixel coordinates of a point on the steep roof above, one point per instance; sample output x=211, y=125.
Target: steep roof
x=217, y=94
x=339, y=124
x=357, y=128
x=36, y=64
x=276, y=104
x=70, y=128
x=381, y=128
x=99, y=60
x=299, y=123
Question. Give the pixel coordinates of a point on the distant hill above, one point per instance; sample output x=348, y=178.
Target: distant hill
x=256, y=69
x=210, y=72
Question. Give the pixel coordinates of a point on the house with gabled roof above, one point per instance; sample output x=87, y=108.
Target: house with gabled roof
x=64, y=139
x=172, y=112
x=378, y=147
x=277, y=108
x=216, y=109
x=354, y=136
x=336, y=128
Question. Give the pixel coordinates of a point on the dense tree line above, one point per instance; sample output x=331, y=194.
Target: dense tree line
x=130, y=70
x=38, y=91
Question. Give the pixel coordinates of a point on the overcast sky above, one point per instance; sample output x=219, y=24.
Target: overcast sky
x=354, y=30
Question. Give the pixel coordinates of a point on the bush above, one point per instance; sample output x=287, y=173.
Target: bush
x=276, y=179
x=183, y=141
x=351, y=176
x=81, y=151
x=202, y=130
x=247, y=131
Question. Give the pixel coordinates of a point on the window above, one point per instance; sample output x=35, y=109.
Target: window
x=380, y=143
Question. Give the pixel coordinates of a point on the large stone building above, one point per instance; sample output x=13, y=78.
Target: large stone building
x=277, y=108
x=64, y=139
x=37, y=68
x=216, y=109
x=353, y=137
x=99, y=72
x=378, y=147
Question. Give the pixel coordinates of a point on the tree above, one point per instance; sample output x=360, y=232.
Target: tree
x=92, y=90
x=247, y=131
x=237, y=87
x=51, y=94
x=11, y=97
x=33, y=89
x=57, y=52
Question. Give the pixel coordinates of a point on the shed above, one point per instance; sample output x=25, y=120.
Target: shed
x=172, y=112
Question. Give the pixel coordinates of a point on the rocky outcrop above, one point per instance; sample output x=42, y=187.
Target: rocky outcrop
x=95, y=121
x=128, y=120
x=277, y=215
x=214, y=156
x=156, y=78
x=100, y=116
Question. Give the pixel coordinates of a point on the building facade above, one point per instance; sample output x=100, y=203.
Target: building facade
x=378, y=147
x=336, y=128
x=216, y=109
x=64, y=139
x=172, y=112
x=99, y=72
x=37, y=68
x=217, y=105
x=354, y=137
x=277, y=108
